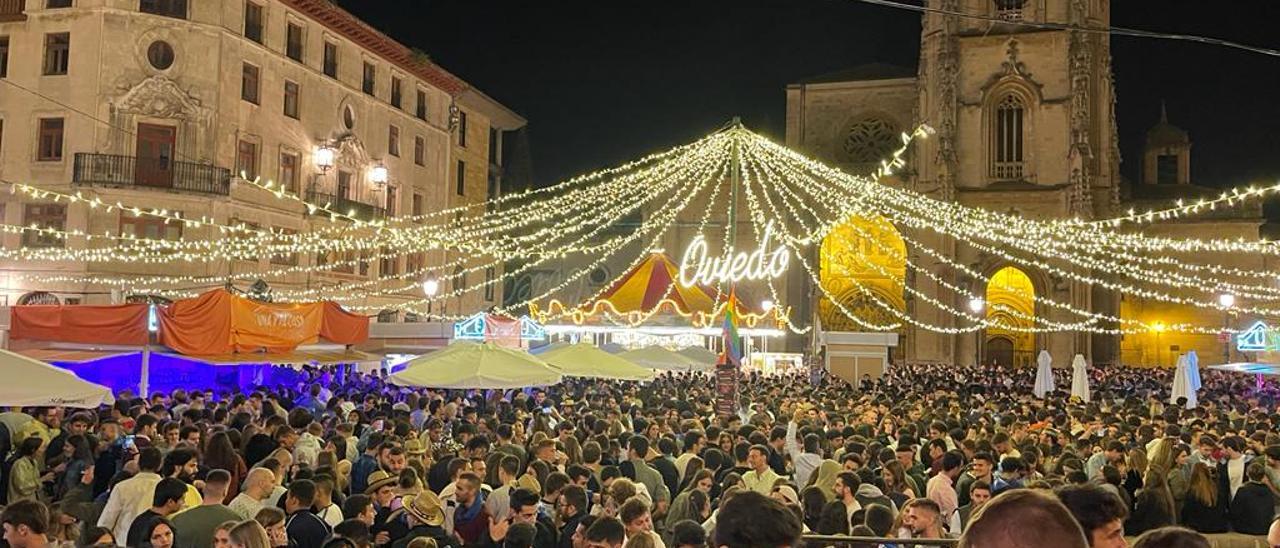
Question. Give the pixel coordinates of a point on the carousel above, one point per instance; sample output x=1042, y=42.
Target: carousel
x=652, y=316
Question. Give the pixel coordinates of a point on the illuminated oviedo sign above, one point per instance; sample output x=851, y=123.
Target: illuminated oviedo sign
x=698, y=267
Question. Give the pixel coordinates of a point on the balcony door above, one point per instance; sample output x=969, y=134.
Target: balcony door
x=155, y=155
x=344, y=185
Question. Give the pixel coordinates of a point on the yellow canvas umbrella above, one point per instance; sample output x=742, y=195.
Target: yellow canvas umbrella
x=587, y=360
x=657, y=357
x=476, y=365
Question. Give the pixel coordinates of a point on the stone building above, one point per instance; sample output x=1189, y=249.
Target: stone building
x=168, y=103
x=1025, y=123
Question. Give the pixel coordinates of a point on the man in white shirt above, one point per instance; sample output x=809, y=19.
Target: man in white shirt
x=807, y=460
x=761, y=478
x=1233, y=468
x=257, y=487
x=132, y=496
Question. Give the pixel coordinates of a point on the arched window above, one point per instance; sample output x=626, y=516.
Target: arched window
x=39, y=297
x=1010, y=10
x=1008, y=132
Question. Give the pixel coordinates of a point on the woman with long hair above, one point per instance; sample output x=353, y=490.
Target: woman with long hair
x=250, y=534
x=682, y=506
x=222, y=534
x=1205, y=509
x=272, y=522
x=219, y=453
x=895, y=483
x=812, y=501
x=24, y=476
x=64, y=528
x=161, y=534
x=79, y=458
x=1153, y=506
x=691, y=469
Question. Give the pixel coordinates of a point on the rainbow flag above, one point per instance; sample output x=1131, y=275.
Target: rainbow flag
x=732, y=354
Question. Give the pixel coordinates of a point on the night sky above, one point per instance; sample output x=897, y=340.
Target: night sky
x=602, y=82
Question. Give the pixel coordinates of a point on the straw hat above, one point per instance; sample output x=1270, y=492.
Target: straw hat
x=528, y=481
x=413, y=446
x=379, y=479
x=426, y=507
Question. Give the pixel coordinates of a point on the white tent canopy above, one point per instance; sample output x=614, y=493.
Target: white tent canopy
x=32, y=382
x=1080, y=378
x=657, y=357
x=466, y=364
x=1044, y=374
x=1182, y=387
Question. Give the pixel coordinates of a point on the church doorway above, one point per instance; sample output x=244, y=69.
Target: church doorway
x=1011, y=312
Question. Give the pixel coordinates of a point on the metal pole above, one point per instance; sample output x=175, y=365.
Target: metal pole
x=144, y=383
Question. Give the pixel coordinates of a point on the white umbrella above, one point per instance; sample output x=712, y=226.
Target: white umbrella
x=1044, y=374
x=467, y=364
x=1193, y=370
x=1080, y=378
x=657, y=357
x=33, y=383
x=1182, y=383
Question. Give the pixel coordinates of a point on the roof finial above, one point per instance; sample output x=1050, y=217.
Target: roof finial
x=1164, y=114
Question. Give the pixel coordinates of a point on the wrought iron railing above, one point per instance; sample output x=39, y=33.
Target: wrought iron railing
x=111, y=169
x=346, y=206
x=1006, y=171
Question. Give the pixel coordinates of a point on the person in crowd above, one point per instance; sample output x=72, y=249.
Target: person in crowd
x=940, y=488
x=1171, y=537
x=923, y=519
x=1153, y=506
x=761, y=477
x=134, y=495
x=1252, y=508
x=195, y=526
x=1099, y=512
x=26, y=523
x=1207, y=506
x=424, y=513
x=169, y=497
x=258, y=485
x=25, y=477
x=1025, y=518
x=571, y=509
x=606, y=532
x=979, y=469
x=249, y=534
x=274, y=522
x=751, y=519
x=303, y=526
x=687, y=534
x=979, y=494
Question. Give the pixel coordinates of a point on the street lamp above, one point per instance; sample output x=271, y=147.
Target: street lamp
x=323, y=157
x=1158, y=327
x=430, y=287
x=1226, y=300
x=378, y=174
x=976, y=304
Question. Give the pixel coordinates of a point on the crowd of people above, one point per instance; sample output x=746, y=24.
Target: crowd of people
x=926, y=452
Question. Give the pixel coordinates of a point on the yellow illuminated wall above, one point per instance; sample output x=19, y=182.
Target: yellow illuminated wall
x=1011, y=300
x=868, y=252
x=1161, y=346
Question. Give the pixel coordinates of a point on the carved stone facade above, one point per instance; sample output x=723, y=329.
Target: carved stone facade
x=225, y=89
x=1025, y=123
